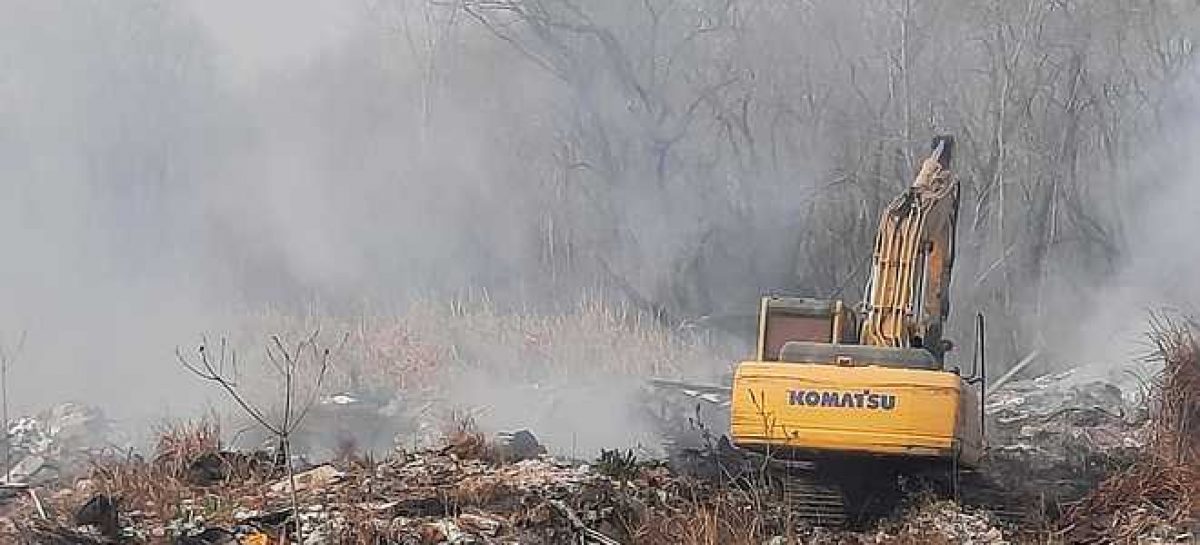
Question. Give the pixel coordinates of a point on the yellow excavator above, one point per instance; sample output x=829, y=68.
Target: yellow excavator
x=847, y=399
x=826, y=380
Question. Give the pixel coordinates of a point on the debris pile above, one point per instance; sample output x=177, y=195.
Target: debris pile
x=440, y=496
x=58, y=441
x=1158, y=496
x=432, y=496
x=941, y=522
x=1109, y=462
x=1060, y=434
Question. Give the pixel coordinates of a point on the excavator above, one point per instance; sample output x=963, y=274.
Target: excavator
x=844, y=400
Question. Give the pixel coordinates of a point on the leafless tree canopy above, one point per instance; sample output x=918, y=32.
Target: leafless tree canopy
x=712, y=149
x=683, y=155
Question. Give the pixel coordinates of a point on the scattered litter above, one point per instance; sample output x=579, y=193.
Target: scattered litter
x=1063, y=434
x=943, y=522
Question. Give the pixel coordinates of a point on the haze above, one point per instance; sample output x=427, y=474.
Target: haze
x=170, y=168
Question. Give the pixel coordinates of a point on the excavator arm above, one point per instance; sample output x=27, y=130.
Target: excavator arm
x=907, y=296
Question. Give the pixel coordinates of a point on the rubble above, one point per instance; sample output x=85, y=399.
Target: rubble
x=517, y=446
x=59, y=441
x=942, y=522
x=1060, y=434
x=1157, y=497
x=100, y=512
x=1081, y=442
x=425, y=496
x=318, y=477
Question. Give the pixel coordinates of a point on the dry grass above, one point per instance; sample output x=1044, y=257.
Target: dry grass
x=181, y=443
x=710, y=524
x=437, y=355
x=464, y=440
x=416, y=349
x=161, y=486
x=1163, y=487
x=704, y=514
x=1176, y=434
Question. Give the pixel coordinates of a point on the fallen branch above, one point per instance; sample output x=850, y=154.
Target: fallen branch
x=1021, y=365
x=578, y=525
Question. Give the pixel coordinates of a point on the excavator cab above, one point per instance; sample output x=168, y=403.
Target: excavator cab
x=804, y=330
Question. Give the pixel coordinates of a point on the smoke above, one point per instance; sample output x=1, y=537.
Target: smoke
x=171, y=169
x=107, y=119
x=1156, y=269
x=124, y=142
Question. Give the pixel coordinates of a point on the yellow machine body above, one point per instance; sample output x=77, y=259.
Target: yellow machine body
x=862, y=409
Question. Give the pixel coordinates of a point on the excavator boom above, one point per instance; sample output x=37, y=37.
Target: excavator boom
x=906, y=299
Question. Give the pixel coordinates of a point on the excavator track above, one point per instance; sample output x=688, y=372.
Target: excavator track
x=813, y=503
x=848, y=497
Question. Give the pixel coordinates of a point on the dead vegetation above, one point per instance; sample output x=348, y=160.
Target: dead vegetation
x=189, y=466
x=465, y=488
x=1161, y=490
x=704, y=517
x=472, y=485
x=464, y=440
x=180, y=443
x=591, y=337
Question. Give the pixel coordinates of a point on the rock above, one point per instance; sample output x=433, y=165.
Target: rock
x=26, y=469
x=480, y=524
x=317, y=477
x=210, y=536
x=442, y=531
x=517, y=446
x=101, y=512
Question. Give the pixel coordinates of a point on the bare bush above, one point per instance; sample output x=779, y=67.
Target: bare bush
x=307, y=358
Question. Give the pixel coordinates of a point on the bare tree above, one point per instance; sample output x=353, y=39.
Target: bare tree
x=706, y=151
x=8, y=356
x=291, y=364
